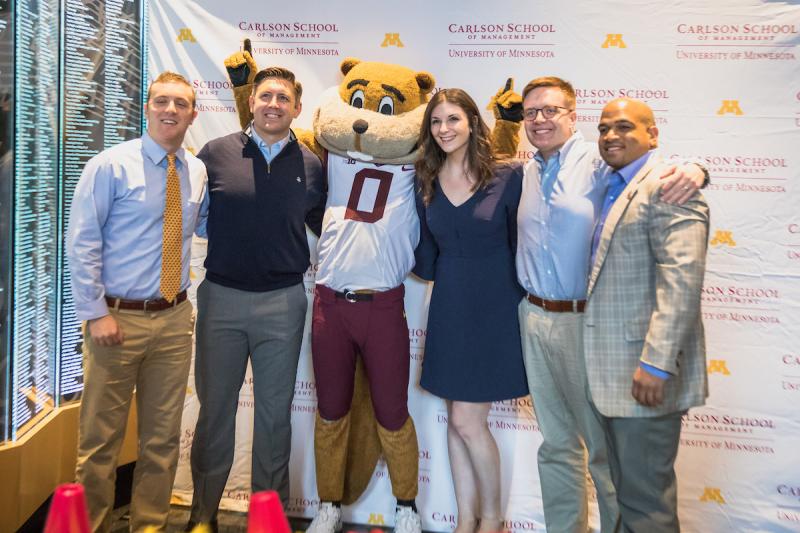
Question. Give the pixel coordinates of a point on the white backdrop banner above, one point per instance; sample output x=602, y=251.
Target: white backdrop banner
x=724, y=80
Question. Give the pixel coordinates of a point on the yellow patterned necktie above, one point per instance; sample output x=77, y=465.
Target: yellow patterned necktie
x=171, y=243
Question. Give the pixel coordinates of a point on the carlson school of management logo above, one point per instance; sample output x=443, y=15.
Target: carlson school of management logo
x=793, y=244
x=743, y=40
x=590, y=100
x=509, y=40
x=746, y=172
x=730, y=431
x=788, y=503
x=790, y=377
x=797, y=113
x=292, y=38
x=744, y=303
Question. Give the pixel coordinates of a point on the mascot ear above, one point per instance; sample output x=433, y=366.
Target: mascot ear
x=425, y=82
x=348, y=64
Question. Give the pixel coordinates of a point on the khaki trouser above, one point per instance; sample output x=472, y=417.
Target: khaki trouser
x=573, y=438
x=154, y=359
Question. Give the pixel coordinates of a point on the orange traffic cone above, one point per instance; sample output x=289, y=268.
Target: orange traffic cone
x=266, y=514
x=68, y=512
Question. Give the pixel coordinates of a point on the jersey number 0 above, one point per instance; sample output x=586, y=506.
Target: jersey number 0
x=368, y=196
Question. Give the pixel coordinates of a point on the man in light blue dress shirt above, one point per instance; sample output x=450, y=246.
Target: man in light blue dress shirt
x=562, y=196
x=134, y=336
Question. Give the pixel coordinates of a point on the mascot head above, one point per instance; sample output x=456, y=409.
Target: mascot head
x=375, y=114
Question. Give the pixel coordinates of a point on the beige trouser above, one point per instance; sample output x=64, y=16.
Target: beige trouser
x=154, y=359
x=573, y=437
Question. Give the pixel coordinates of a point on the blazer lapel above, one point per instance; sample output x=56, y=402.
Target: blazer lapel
x=614, y=216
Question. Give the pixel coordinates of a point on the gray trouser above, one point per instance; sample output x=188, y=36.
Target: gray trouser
x=642, y=455
x=232, y=326
x=573, y=438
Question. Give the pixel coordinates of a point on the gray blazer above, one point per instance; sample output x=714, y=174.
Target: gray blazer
x=644, y=299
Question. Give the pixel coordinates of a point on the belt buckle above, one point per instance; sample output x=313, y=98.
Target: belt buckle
x=351, y=296
x=145, y=303
x=544, y=304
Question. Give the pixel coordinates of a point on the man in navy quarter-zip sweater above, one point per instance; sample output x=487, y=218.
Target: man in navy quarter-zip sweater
x=263, y=187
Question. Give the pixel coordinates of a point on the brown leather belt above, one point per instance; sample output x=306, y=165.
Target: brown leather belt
x=145, y=305
x=558, y=306
x=361, y=295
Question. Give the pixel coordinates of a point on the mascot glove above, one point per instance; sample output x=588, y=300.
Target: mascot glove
x=506, y=104
x=241, y=68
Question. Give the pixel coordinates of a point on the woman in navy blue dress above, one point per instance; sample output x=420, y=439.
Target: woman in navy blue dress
x=467, y=204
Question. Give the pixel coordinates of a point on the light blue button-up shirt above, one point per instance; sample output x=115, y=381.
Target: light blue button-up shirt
x=116, y=223
x=557, y=212
x=270, y=151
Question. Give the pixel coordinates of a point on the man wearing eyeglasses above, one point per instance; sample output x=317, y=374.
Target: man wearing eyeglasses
x=563, y=191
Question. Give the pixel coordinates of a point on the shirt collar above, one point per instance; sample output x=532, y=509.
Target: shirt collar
x=574, y=139
x=263, y=145
x=631, y=169
x=156, y=153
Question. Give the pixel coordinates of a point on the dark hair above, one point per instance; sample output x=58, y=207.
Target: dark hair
x=171, y=77
x=552, y=81
x=281, y=74
x=479, y=148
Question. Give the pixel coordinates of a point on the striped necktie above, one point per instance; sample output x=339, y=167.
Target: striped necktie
x=171, y=243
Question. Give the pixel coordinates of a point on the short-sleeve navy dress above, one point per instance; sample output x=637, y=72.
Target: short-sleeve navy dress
x=473, y=351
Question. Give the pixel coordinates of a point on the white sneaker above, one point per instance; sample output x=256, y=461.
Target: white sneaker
x=328, y=519
x=406, y=520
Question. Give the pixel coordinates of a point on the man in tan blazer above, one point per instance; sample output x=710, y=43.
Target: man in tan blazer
x=643, y=336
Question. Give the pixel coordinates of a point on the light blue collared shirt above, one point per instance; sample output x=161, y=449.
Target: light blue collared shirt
x=270, y=151
x=116, y=223
x=559, y=205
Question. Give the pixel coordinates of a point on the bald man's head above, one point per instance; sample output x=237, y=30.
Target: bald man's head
x=627, y=131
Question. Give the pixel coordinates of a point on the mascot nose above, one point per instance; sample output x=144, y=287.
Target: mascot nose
x=360, y=126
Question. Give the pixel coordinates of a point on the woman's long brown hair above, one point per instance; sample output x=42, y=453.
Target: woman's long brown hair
x=480, y=160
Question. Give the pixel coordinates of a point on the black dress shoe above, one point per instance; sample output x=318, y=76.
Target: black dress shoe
x=212, y=525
